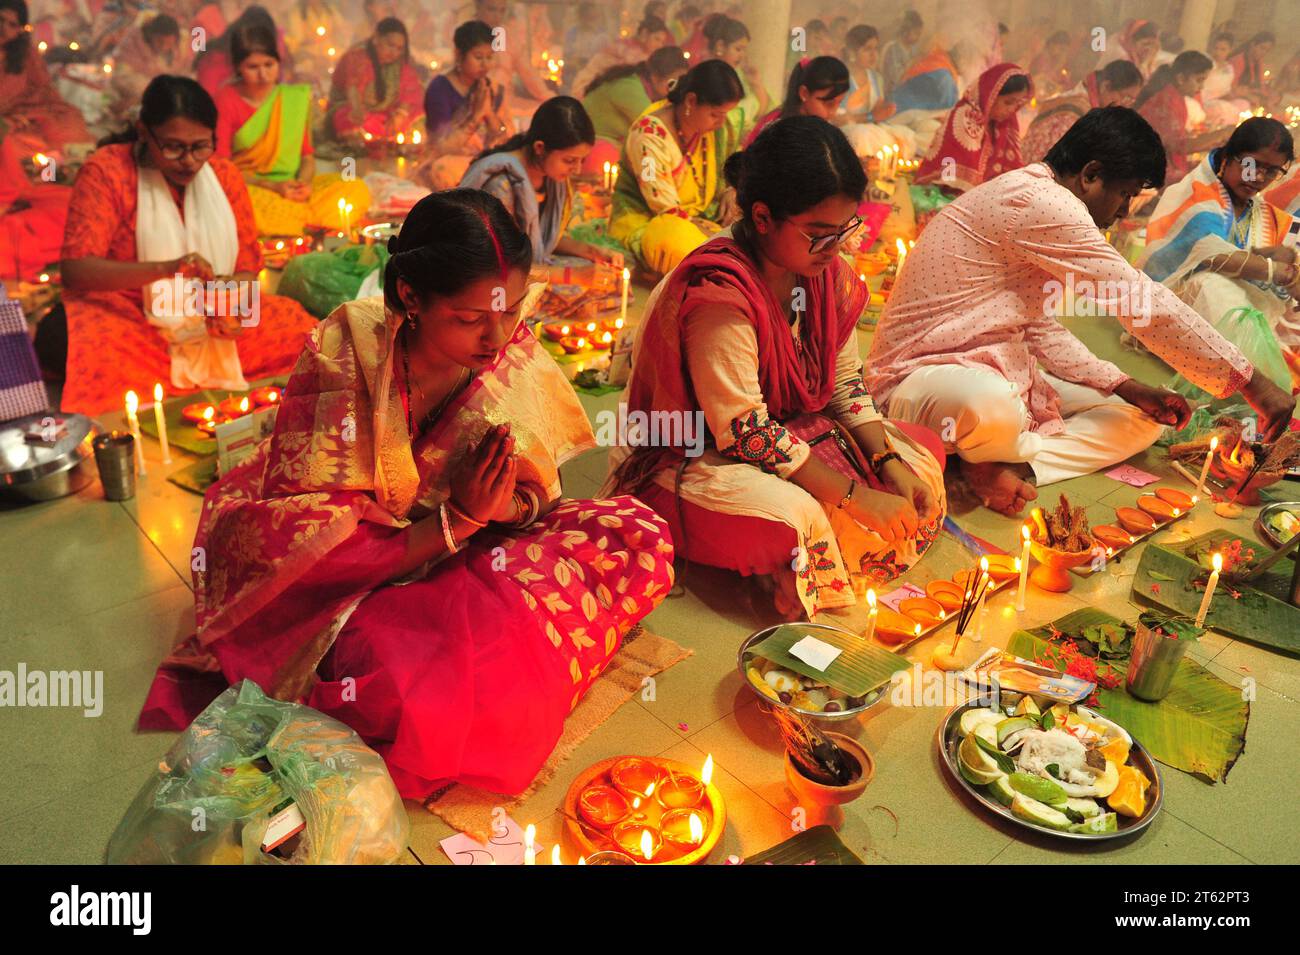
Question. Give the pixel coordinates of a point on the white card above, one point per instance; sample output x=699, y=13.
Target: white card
x=506, y=847
x=815, y=653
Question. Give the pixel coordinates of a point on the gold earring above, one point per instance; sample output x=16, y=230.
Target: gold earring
x=410, y=319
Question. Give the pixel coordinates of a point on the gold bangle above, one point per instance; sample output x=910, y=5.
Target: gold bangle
x=463, y=516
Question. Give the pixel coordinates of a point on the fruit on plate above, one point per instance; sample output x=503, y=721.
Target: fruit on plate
x=1108, y=781
x=945, y=593
x=1027, y=707
x=977, y=766
x=1112, y=536
x=1039, y=813
x=1135, y=521
x=973, y=718
x=1000, y=789
x=1011, y=725
x=1081, y=809
x=1106, y=822
x=1116, y=751
x=893, y=627
x=1161, y=510
x=1036, y=787
x=1179, y=499
x=1129, y=797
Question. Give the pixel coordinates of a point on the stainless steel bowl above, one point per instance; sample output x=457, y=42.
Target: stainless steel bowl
x=55, y=471
x=872, y=698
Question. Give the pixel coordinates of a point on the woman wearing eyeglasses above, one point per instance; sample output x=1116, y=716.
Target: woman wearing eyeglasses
x=803, y=484
x=419, y=444
x=153, y=204
x=1219, y=245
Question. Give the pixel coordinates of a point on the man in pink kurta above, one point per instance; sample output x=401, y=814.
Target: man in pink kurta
x=968, y=344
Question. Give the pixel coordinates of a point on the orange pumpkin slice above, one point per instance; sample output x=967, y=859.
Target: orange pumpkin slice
x=1112, y=536
x=1179, y=499
x=945, y=593
x=1162, y=511
x=923, y=610
x=893, y=627
x=1135, y=521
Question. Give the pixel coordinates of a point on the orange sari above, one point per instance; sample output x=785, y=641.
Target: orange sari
x=32, y=111
x=111, y=345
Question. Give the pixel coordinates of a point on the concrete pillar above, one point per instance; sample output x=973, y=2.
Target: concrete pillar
x=769, y=42
x=1198, y=19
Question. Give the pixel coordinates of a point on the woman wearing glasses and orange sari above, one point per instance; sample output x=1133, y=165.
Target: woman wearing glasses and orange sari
x=145, y=209
x=801, y=483
x=1228, y=252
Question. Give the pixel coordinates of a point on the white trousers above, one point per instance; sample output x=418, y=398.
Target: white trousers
x=980, y=417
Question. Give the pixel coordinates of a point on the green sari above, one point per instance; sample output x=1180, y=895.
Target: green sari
x=269, y=144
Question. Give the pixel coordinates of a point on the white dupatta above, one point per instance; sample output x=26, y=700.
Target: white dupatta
x=198, y=360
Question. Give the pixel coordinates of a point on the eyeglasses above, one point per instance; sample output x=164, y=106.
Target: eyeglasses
x=1261, y=170
x=174, y=151
x=818, y=244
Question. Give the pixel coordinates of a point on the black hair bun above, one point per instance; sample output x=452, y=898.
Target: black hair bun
x=734, y=168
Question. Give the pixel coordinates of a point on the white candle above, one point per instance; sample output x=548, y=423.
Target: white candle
x=555, y=855
x=1205, y=468
x=1022, y=565
x=530, y=852
x=1209, y=591
x=160, y=420
x=132, y=422
x=622, y=311
x=982, y=609
x=607, y=165
x=871, y=615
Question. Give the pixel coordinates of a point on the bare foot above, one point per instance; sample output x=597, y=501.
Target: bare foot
x=785, y=596
x=1001, y=487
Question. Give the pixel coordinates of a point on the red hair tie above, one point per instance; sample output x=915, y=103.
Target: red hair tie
x=501, y=259
x=803, y=64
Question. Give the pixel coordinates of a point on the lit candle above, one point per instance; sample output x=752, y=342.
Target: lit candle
x=132, y=422
x=1209, y=590
x=982, y=609
x=607, y=165
x=348, y=210
x=613, y=176
x=343, y=211
x=530, y=851
x=902, y=256
x=555, y=855
x=622, y=310
x=1205, y=468
x=161, y=421
x=871, y=615
x=1022, y=565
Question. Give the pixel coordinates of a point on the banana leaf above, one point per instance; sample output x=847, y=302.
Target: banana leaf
x=1200, y=727
x=1260, y=615
x=859, y=669
x=819, y=845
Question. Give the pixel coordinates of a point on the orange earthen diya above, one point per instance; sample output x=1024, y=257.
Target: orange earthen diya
x=603, y=806
x=1135, y=521
x=233, y=407
x=267, y=395
x=945, y=593
x=604, y=341
x=924, y=610
x=573, y=344
x=1179, y=499
x=198, y=412
x=1113, y=537
x=1160, y=510
x=555, y=331
x=651, y=811
x=1238, y=465
x=1002, y=567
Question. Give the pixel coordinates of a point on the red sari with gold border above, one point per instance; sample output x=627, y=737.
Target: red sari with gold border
x=463, y=670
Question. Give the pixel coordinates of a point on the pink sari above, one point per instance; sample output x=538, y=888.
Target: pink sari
x=971, y=149
x=464, y=670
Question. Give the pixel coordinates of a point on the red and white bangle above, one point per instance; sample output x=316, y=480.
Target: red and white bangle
x=447, y=535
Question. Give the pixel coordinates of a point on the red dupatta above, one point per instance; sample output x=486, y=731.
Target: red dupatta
x=794, y=378
x=1166, y=111
x=973, y=147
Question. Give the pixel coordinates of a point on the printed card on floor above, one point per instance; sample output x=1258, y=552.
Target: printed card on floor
x=1128, y=474
x=505, y=848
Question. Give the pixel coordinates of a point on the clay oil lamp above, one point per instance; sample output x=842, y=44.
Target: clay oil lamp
x=265, y=396
x=924, y=610
x=1002, y=567
x=556, y=331
x=1135, y=521
x=945, y=593
x=198, y=412
x=1115, y=538
x=573, y=344
x=1183, y=501
x=1160, y=510
x=603, y=806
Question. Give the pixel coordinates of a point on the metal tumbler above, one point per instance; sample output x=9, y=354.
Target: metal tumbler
x=1153, y=663
x=115, y=458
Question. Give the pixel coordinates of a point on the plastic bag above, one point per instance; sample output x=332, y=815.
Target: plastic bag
x=213, y=795
x=322, y=281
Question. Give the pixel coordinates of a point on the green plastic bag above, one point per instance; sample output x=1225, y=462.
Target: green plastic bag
x=211, y=798
x=322, y=281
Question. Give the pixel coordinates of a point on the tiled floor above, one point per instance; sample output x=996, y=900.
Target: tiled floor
x=87, y=584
